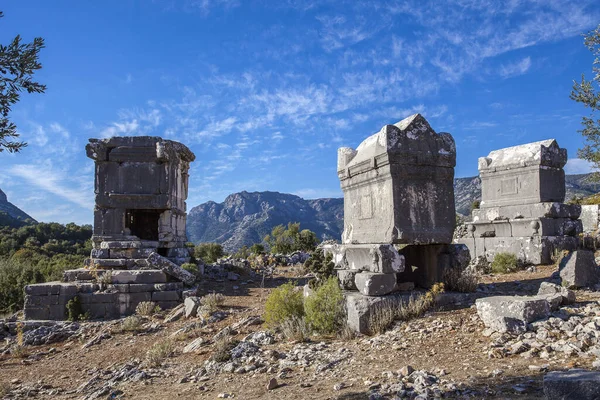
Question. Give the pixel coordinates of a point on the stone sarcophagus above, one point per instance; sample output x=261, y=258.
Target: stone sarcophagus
x=398, y=186
x=398, y=209
x=522, y=209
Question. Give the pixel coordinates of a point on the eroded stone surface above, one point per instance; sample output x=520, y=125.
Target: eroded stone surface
x=575, y=384
x=579, y=269
x=511, y=313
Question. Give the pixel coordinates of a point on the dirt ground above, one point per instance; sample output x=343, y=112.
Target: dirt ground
x=450, y=340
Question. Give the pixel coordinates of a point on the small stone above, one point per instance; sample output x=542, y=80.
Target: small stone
x=272, y=384
x=339, y=386
x=406, y=370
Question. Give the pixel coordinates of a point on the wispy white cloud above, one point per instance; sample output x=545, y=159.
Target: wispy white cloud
x=579, y=166
x=45, y=177
x=515, y=68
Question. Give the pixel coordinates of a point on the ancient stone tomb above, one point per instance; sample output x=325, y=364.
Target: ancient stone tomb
x=522, y=210
x=398, y=213
x=139, y=237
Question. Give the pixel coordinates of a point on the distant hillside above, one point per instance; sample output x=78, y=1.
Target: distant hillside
x=245, y=218
x=11, y=215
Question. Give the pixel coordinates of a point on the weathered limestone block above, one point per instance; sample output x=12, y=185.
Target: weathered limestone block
x=426, y=264
x=171, y=268
x=81, y=274
x=590, y=217
x=379, y=258
x=386, y=180
x=511, y=313
x=535, y=210
x=360, y=308
x=550, y=289
x=346, y=278
x=168, y=295
x=375, y=284
x=191, y=306
x=579, y=269
x=574, y=384
x=138, y=276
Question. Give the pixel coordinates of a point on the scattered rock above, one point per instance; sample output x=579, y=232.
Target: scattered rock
x=579, y=269
x=511, y=313
x=272, y=384
x=576, y=384
x=191, y=305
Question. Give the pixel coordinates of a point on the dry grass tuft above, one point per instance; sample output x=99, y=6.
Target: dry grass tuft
x=222, y=349
x=212, y=301
x=133, y=323
x=158, y=353
x=147, y=308
x=295, y=329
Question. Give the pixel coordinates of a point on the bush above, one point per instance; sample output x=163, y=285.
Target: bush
x=209, y=252
x=283, y=303
x=257, y=248
x=14, y=276
x=75, y=311
x=147, y=308
x=159, y=353
x=505, y=263
x=243, y=252
x=325, y=307
x=320, y=264
x=475, y=205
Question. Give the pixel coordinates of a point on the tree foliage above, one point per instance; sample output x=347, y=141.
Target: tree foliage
x=286, y=240
x=209, y=252
x=587, y=92
x=18, y=63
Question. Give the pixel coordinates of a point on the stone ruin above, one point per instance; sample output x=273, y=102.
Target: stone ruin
x=398, y=214
x=522, y=208
x=141, y=184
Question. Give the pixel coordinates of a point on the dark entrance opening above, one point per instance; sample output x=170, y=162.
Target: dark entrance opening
x=143, y=223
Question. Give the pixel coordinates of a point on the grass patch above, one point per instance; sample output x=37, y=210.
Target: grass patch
x=211, y=302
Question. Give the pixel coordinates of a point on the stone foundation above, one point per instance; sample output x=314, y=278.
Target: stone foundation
x=48, y=301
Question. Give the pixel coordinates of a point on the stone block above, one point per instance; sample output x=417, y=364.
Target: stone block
x=404, y=286
x=170, y=268
x=574, y=384
x=36, y=301
x=87, y=287
x=170, y=295
x=138, y=276
x=81, y=274
x=380, y=258
x=97, y=298
x=359, y=308
x=374, y=284
x=191, y=306
x=511, y=313
x=36, y=313
x=127, y=302
x=551, y=289
x=143, y=287
x=590, y=217
x=579, y=269
x=169, y=286
x=346, y=278
x=425, y=264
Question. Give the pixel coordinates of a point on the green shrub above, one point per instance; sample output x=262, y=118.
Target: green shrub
x=325, y=307
x=191, y=268
x=286, y=240
x=320, y=264
x=257, y=248
x=14, y=276
x=75, y=311
x=283, y=303
x=504, y=263
x=475, y=205
x=243, y=252
x=209, y=252
x=132, y=323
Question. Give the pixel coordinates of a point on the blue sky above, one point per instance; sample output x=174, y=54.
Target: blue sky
x=264, y=92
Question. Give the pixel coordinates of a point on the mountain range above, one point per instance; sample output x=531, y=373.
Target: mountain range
x=11, y=215
x=245, y=218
